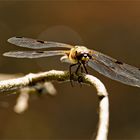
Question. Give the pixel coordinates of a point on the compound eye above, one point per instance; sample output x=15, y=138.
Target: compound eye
x=79, y=56
x=89, y=56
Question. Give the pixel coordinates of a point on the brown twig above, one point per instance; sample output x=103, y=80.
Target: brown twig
x=32, y=79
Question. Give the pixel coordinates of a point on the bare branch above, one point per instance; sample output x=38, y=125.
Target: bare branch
x=103, y=125
x=22, y=100
x=49, y=87
x=32, y=79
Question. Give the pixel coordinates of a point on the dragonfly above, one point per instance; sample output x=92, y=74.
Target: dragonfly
x=79, y=56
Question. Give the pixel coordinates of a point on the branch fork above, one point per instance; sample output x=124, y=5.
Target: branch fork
x=26, y=83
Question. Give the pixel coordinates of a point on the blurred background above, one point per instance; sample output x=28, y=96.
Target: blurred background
x=111, y=27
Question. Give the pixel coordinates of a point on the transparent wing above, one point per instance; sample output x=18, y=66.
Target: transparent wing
x=114, y=69
x=34, y=54
x=36, y=44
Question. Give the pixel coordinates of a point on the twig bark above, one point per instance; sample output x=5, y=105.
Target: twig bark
x=103, y=106
x=32, y=79
x=22, y=101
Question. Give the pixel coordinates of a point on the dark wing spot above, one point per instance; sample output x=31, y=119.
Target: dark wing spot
x=138, y=69
x=40, y=41
x=118, y=62
x=19, y=37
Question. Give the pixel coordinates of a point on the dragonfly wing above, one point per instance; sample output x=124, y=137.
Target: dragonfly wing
x=34, y=54
x=36, y=44
x=114, y=69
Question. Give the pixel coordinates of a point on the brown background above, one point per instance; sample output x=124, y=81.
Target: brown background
x=112, y=27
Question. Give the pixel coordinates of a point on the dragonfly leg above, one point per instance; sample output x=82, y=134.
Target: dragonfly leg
x=82, y=70
x=80, y=80
x=70, y=71
x=85, y=68
x=79, y=65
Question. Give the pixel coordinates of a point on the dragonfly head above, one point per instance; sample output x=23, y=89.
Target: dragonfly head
x=83, y=57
